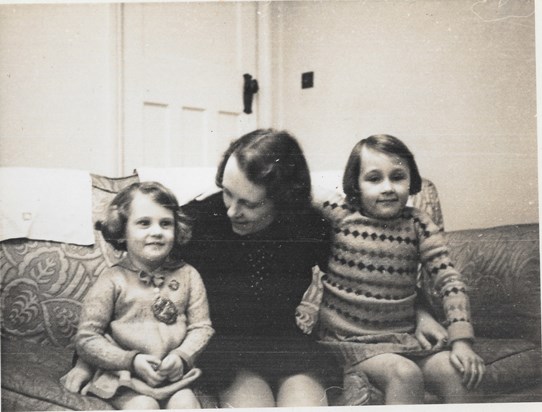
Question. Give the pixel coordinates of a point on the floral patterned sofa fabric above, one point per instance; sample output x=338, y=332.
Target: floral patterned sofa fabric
x=43, y=284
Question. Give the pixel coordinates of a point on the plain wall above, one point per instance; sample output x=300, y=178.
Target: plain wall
x=454, y=79
x=58, y=86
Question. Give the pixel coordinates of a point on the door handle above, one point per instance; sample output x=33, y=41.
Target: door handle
x=250, y=88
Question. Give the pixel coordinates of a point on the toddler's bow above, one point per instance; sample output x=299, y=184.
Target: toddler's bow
x=157, y=279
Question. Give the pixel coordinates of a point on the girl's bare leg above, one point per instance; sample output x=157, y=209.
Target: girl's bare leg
x=128, y=399
x=304, y=389
x=399, y=378
x=443, y=379
x=248, y=390
x=183, y=399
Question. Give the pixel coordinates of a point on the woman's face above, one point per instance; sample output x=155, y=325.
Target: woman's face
x=384, y=182
x=249, y=209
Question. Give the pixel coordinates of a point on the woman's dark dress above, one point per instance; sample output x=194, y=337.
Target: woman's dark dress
x=254, y=284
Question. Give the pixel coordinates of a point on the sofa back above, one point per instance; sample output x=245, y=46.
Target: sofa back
x=44, y=282
x=501, y=267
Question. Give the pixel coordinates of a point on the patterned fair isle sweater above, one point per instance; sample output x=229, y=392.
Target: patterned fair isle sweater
x=370, y=286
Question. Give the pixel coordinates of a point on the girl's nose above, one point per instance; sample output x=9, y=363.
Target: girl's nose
x=156, y=230
x=386, y=185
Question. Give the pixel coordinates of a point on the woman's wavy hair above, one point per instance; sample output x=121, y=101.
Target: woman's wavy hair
x=272, y=159
x=382, y=143
x=113, y=226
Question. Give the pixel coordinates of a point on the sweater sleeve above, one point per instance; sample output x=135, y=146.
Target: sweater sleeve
x=96, y=315
x=446, y=280
x=199, y=328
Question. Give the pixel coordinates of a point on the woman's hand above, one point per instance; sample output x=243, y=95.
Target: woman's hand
x=466, y=361
x=429, y=332
x=145, y=367
x=171, y=367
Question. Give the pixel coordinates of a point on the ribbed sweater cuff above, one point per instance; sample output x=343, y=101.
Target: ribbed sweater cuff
x=187, y=359
x=460, y=330
x=127, y=360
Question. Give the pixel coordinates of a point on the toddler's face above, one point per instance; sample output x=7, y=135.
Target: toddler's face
x=384, y=181
x=150, y=232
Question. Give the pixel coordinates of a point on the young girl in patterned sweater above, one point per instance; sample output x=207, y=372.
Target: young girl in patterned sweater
x=367, y=316
x=145, y=320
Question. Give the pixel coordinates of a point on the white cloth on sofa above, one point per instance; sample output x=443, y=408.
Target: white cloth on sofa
x=187, y=183
x=46, y=204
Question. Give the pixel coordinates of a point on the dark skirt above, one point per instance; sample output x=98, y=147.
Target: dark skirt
x=271, y=357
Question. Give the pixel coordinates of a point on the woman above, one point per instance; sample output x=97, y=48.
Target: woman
x=255, y=244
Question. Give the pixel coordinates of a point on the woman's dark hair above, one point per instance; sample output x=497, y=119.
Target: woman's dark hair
x=383, y=143
x=272, y=159
x=113, y=226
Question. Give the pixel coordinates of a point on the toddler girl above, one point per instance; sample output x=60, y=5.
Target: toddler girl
x=145, y=320
x=367, y=315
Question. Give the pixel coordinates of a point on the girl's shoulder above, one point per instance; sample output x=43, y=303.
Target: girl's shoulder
x=335, y=206
x=421, y=220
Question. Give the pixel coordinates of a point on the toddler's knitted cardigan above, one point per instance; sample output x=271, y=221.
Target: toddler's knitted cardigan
x=370, y=286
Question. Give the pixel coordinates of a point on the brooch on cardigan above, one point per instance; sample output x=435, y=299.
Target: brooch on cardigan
x=163, y=308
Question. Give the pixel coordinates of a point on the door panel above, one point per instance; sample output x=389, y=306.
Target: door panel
x=184, y=66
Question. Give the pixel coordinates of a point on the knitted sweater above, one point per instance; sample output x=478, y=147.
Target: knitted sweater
x=370, y=286
x=120, y=304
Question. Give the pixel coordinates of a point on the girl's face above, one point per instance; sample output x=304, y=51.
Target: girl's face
x=384, y=181
x=249, y=209
x=150, y=232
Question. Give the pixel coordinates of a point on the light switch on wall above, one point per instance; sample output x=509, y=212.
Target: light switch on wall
x=307, y=80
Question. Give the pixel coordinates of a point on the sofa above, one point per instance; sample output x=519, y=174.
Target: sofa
x=43, y=284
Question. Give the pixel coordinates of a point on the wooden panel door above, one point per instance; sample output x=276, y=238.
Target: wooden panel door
x=183, y=66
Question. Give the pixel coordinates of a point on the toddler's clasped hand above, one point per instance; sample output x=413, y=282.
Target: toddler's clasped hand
x=154, y=371
x=171, y=368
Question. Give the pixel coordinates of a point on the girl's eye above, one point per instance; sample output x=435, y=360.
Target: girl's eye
x=399, y=176
x=143, y=223
x=167, y=223
x=372, y=178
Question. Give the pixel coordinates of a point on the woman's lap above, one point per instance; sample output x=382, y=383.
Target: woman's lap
x=271, y=358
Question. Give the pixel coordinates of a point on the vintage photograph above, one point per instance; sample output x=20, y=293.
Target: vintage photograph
x=253, y=204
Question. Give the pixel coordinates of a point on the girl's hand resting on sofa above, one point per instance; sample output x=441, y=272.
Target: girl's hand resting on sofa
x=171, y=368
x=145, y=366
x=466, y=361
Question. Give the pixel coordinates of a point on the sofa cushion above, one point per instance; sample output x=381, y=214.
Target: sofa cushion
x=30, y=377
x=511, y=364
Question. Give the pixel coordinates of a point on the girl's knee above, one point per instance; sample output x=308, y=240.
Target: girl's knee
x=133, y=401
x=406, y=372
x=184, y=399
x=301, y=390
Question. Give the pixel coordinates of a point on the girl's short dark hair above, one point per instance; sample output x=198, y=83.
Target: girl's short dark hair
x=272, y=159
x=113, y=226
x=383, y=143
